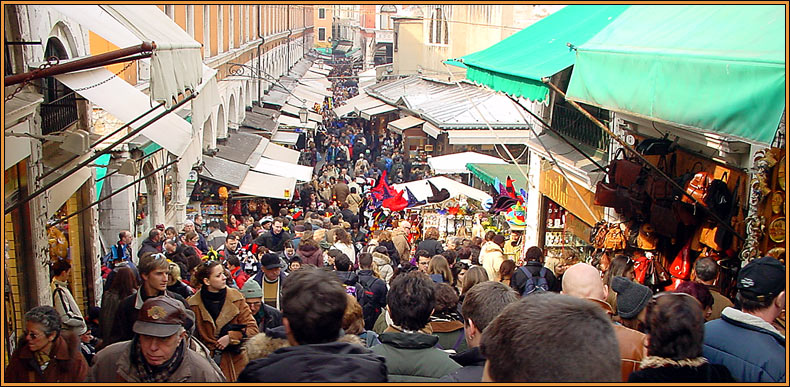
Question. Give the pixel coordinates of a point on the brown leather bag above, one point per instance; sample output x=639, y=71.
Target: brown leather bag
x=626, y=171
x=605, y=194
x=615, y=239
x=698, y=187
x=664, y=219
x=659, y=188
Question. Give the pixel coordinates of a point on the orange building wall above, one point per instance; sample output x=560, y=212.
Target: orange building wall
x=99, y=45
x=368, y=15
x=199, y=27
x=180, y=16
x=214, y=20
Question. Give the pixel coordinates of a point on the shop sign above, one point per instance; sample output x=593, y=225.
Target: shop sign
x=555, y=186
x=287, y=193
x=192, y=177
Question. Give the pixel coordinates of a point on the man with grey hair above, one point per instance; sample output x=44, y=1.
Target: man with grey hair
x=548, y=337
x=482, y=303
x=159, y=351
x=584, y=281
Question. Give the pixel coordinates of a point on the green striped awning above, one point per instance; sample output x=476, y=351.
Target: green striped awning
x=489, y=173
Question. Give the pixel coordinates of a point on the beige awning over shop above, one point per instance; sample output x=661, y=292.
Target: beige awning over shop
x=404, y=123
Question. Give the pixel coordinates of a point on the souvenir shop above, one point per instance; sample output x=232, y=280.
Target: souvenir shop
x=566, y=218
x=215, y=203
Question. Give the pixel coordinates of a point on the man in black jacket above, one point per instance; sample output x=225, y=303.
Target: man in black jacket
x=374, y=292
x=482, y=303
x=534, y=257
x=274, y=240
x=313, y=308
x=152, y=244
x=154, y=273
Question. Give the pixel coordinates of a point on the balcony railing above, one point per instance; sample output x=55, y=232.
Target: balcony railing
x=59, y=114
x=573, y=124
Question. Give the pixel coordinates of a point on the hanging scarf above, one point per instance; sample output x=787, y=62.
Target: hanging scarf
x=42, y=359
x=155, y=374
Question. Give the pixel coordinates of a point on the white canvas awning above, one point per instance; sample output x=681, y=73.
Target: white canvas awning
x=279, y=152
x=431, y=129
x=370, y=112
x=282, y=168
x=404, y=123
x=293, y=110
x=456, y=162
x=126, y=103
x=367, y=104
x=309, y=101
x=267, y=186
x=422, y=190
x=305, y=92
x=287, y=138
x=176, y=63
x=319, y=70
x=353, y=102
x=311, y=88
x=61, y=192
x=284, y=120
x=477, y=137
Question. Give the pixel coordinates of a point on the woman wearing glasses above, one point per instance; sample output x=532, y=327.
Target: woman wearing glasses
x=674, y=324
x=44, y=354
x=223, y=318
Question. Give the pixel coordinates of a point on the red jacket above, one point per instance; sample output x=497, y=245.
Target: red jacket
x=240, y=276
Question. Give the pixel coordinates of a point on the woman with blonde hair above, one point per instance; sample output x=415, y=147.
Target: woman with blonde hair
x=473, y=276
x=439, y=270
x=354, y=323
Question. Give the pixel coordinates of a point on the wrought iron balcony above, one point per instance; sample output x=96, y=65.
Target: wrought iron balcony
x=573, y=124
x=59, y=114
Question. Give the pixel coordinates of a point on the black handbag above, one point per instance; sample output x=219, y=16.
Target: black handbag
x=656, y=146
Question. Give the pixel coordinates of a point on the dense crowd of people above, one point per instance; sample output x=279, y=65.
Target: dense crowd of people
x=324, y=292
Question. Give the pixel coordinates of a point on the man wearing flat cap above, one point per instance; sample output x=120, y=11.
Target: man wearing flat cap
x=158, y=353
x=743, y=339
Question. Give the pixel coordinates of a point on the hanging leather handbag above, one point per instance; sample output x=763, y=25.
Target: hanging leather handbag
x=626, y=171
x=605, y=194
x=598, y=234
x=686, y=213
x=698, y=188
x=708, y=236
x=641, y=264
x=615, y=238
x=659, y=188
x=664, y=219
x=656, y=146
x=681, y=265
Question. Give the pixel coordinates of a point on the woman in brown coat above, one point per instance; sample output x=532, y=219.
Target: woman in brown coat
x=223, y=318
x=44, y=354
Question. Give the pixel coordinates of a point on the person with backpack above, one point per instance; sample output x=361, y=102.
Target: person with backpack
x=533, y=276
x=372, y=295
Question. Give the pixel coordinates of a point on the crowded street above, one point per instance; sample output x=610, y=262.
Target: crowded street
x=240, y=193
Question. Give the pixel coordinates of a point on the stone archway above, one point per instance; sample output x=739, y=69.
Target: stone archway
x=233, y=114
x=222, y=123
x=209, y=136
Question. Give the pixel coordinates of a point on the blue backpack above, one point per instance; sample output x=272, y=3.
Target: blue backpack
x=539, y=283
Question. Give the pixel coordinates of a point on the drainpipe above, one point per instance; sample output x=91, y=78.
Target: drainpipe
x=288, y=40
x=258, y=78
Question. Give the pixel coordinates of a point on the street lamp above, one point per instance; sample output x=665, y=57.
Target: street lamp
x=303, y=114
